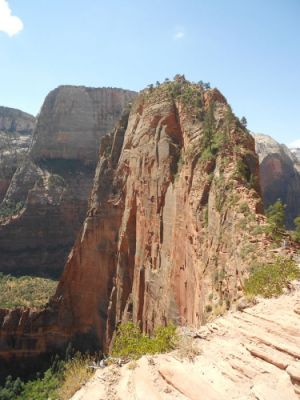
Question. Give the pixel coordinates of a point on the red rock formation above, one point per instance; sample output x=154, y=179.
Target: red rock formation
x=174, y=202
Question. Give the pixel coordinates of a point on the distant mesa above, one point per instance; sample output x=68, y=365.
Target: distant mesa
x=16, y=129
x=279, y=175
x=13, y=121
x=45, y=201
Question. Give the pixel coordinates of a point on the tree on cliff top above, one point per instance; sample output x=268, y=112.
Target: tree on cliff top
x=244, y=122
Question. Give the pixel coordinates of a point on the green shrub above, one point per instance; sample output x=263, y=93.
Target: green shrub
x=258, y=230
x=41, y=389
x=275, y=218
x=76, y=373
x=296, y=232
x=59, y=382
x=244, y=208
x=269, y=280
x=253, y=181
x=10, y=208
x=206, y=155
x=11, y=389
x=219, y=139
x=38, y=389
x=220, y=192
x=56, y=180
x=241, y=170
x=246, y=249
x=208, y=308
x=131, y=342
x=206, y=216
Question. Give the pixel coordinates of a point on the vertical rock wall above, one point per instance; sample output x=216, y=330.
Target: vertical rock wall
x=49, y=193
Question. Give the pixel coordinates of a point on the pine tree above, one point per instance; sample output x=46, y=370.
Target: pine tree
x=275, y=217
x=244, y=122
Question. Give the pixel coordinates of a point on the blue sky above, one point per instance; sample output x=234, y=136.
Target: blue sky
x=249, y=49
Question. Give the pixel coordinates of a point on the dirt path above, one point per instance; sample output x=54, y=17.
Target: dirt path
x=254, y=354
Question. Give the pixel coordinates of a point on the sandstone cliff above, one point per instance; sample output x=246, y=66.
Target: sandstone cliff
x=16, y=128
x=16, y=121
x=279, y=175
x=46, y=201
x=170, y=228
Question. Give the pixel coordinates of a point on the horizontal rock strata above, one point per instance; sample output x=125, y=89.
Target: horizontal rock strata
x=16, y=128
x=48, y=195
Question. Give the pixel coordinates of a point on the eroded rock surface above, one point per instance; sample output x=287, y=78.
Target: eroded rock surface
x=249, y=355
x=169, y=234
x=16, y=121
x=279, y=175
x=48, y=195
x=74, y=119
x=16, y=128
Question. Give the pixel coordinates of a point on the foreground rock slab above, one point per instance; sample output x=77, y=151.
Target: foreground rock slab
x=234, y=363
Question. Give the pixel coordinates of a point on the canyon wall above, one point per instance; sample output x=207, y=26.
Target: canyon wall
x=279, y=176
x=16, y=128
x=171, y=230
x=47, y=199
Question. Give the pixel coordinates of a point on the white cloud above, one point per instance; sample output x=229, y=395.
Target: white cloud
x=9, y=23
x=294, y=144
x=179, y=35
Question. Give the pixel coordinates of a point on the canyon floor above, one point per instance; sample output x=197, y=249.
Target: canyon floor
x=244, y=355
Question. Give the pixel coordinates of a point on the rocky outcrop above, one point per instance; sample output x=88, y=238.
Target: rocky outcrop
x=243, y=355
x=279, y=175
x=47, y=199
x=169, y=234
x=16, y=128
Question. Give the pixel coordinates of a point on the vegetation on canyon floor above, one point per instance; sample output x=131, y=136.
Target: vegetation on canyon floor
x=10, y=208
x=25, y=291
x=59, y=382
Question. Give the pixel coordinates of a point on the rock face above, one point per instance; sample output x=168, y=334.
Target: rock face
x=296, y=153
x=73, y=120
x=16, y=128
x=279, y=175
x=168, y=234
x=16, y=121
x=46, y=201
